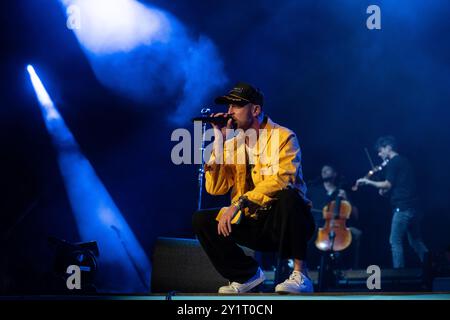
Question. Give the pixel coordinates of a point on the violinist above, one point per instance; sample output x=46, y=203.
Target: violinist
x=399, y=185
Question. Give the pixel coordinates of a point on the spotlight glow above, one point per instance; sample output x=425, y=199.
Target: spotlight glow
x=109, y=26
x=145, y=53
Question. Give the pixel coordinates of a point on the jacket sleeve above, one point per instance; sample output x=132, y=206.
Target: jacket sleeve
x=284, y=173
x=219, y=176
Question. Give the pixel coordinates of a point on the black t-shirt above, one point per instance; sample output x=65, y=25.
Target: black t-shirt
x=400, y=174
x=319, y=198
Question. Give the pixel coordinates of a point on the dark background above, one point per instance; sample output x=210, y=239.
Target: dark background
x=326, y=76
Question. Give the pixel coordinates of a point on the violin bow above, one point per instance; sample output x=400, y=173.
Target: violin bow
x=370, y=159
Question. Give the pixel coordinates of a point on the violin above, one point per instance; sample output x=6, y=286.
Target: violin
x=372, y=172
x=335, y=236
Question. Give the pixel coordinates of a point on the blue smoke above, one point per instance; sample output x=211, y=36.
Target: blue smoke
x=146, y=54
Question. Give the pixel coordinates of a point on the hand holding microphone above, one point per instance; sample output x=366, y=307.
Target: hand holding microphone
x=220, y=121
x=224, y=121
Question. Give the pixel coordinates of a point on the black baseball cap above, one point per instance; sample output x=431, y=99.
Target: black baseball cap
x=242, y=94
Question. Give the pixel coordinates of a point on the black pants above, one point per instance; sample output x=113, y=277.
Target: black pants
x=285, y=228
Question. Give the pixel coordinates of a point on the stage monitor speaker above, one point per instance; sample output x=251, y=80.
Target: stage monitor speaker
x=441, y=284
x=181, y=265
x=392, y=280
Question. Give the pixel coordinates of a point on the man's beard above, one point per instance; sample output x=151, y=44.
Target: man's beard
x=328, y=179
x=234, y=125
x=246, y=126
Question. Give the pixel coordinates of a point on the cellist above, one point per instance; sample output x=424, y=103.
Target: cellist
x=321, y=193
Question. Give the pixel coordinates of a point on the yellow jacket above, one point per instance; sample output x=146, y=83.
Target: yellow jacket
x=277, y=166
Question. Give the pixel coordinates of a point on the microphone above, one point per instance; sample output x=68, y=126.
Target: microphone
x=221, y=121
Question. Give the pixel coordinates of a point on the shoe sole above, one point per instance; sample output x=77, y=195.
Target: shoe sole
x=250, y=290
x=296, y=292
x=288, y=292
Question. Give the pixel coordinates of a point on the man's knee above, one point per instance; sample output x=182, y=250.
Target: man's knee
x=293, y=206
x=356, y=233
x=292, y=203
x=415, y=242
x=395, y=242
x=201, y=220
x=288, y=194
x=290, y=200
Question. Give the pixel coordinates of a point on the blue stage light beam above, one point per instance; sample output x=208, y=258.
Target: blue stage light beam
x=123, y=265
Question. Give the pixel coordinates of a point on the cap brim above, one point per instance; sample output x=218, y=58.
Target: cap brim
x=229, y=99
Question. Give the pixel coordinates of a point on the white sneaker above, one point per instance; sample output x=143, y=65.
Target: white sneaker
x=235, y=287
x=297, y=283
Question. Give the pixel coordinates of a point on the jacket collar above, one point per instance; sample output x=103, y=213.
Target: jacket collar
x=264, y=139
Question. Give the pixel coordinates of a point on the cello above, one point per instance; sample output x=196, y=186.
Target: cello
x=334, y=235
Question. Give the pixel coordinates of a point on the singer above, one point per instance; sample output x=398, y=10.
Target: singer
x=268, y=212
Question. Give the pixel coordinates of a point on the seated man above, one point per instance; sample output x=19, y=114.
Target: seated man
x=322, y=193
x=261, y=164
